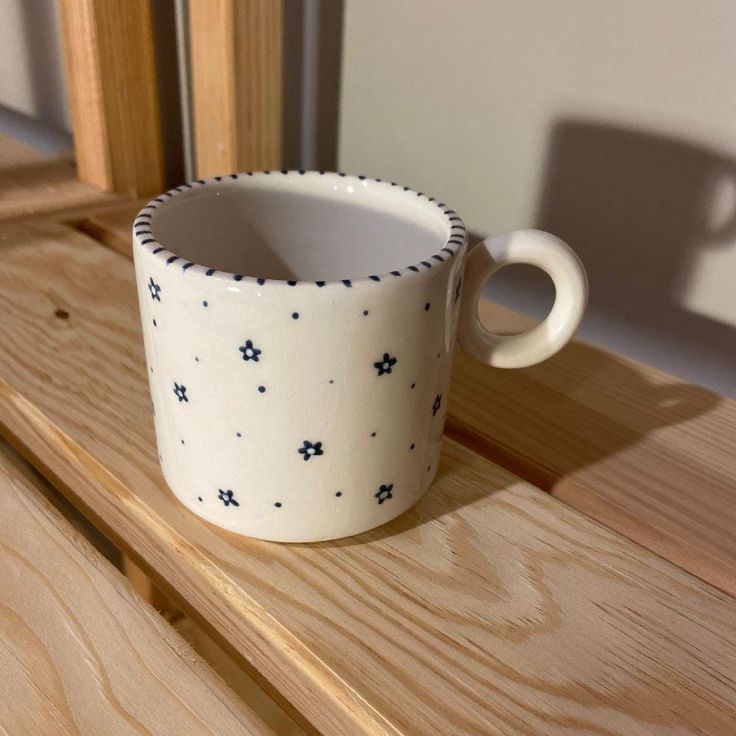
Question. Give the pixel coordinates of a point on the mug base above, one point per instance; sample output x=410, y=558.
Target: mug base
x=297, y=535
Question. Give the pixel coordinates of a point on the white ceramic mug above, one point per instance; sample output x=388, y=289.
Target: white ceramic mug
x=299, y=331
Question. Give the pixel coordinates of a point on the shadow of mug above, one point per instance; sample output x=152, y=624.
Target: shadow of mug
x=537, y=423
x=635, y=207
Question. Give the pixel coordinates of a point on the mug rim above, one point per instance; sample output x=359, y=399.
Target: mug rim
x=144, y=223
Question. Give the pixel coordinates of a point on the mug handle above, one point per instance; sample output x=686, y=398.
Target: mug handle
x=539, y=249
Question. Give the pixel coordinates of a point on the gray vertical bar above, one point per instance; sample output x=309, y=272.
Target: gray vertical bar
x=182, y=52
x=310, y=84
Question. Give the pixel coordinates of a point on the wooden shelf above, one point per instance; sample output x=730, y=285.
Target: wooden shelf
x=491, y=607
x=628, y=445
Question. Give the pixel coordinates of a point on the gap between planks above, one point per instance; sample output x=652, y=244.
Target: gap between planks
x=80, y=653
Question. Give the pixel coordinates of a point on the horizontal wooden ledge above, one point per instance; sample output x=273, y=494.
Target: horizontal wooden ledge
x=35, y=185
x=488, y=608
x=79, y=652
x=630, y=446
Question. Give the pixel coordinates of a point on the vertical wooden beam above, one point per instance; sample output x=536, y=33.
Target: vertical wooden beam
x=236, y=71
x=212, y=74
x=111, y=80
x=259, y=68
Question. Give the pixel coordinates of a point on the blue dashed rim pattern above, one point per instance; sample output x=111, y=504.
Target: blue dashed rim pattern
x=143, y=232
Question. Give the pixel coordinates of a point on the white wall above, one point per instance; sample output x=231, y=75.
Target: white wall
x=612, y=124
x=31, y=71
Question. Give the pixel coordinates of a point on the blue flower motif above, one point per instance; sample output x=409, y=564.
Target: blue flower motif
x=181, y=392
x=227, y=497
x=384, y=493
x=437, y=404
x=155, y=289
x=310, y=449
x=385, y=365
x=250, y=352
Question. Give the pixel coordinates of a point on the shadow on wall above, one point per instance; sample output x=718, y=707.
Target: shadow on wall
x=634, y=207
x=41, y=32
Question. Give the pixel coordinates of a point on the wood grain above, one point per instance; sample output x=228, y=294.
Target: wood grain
x=34, y=184
x=639, y=450
x=489, y=608
x=113, y=100
x=79, y=652
x=236, y=68
x=630, y=446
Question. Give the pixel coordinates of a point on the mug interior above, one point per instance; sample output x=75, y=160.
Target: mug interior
x=304, y=226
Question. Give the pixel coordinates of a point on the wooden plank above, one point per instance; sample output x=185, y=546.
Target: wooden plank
x=122, y=218
x=639, y=450
x=236, y=68
x=258, y=83
x=113, y=100
x=112, y=227
x=34, y=184
x=79, y=652
x=212, y=69
x=489, y=608
x=632, y=447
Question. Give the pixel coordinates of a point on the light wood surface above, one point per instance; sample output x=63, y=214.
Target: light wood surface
x=489, y=608
x=236, y=70
x=639, y=450
x=113, y=100
x=34, y=184
x=630, y=446
x=79, y=652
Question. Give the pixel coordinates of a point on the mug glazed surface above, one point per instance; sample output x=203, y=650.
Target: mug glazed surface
x=299, y=331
